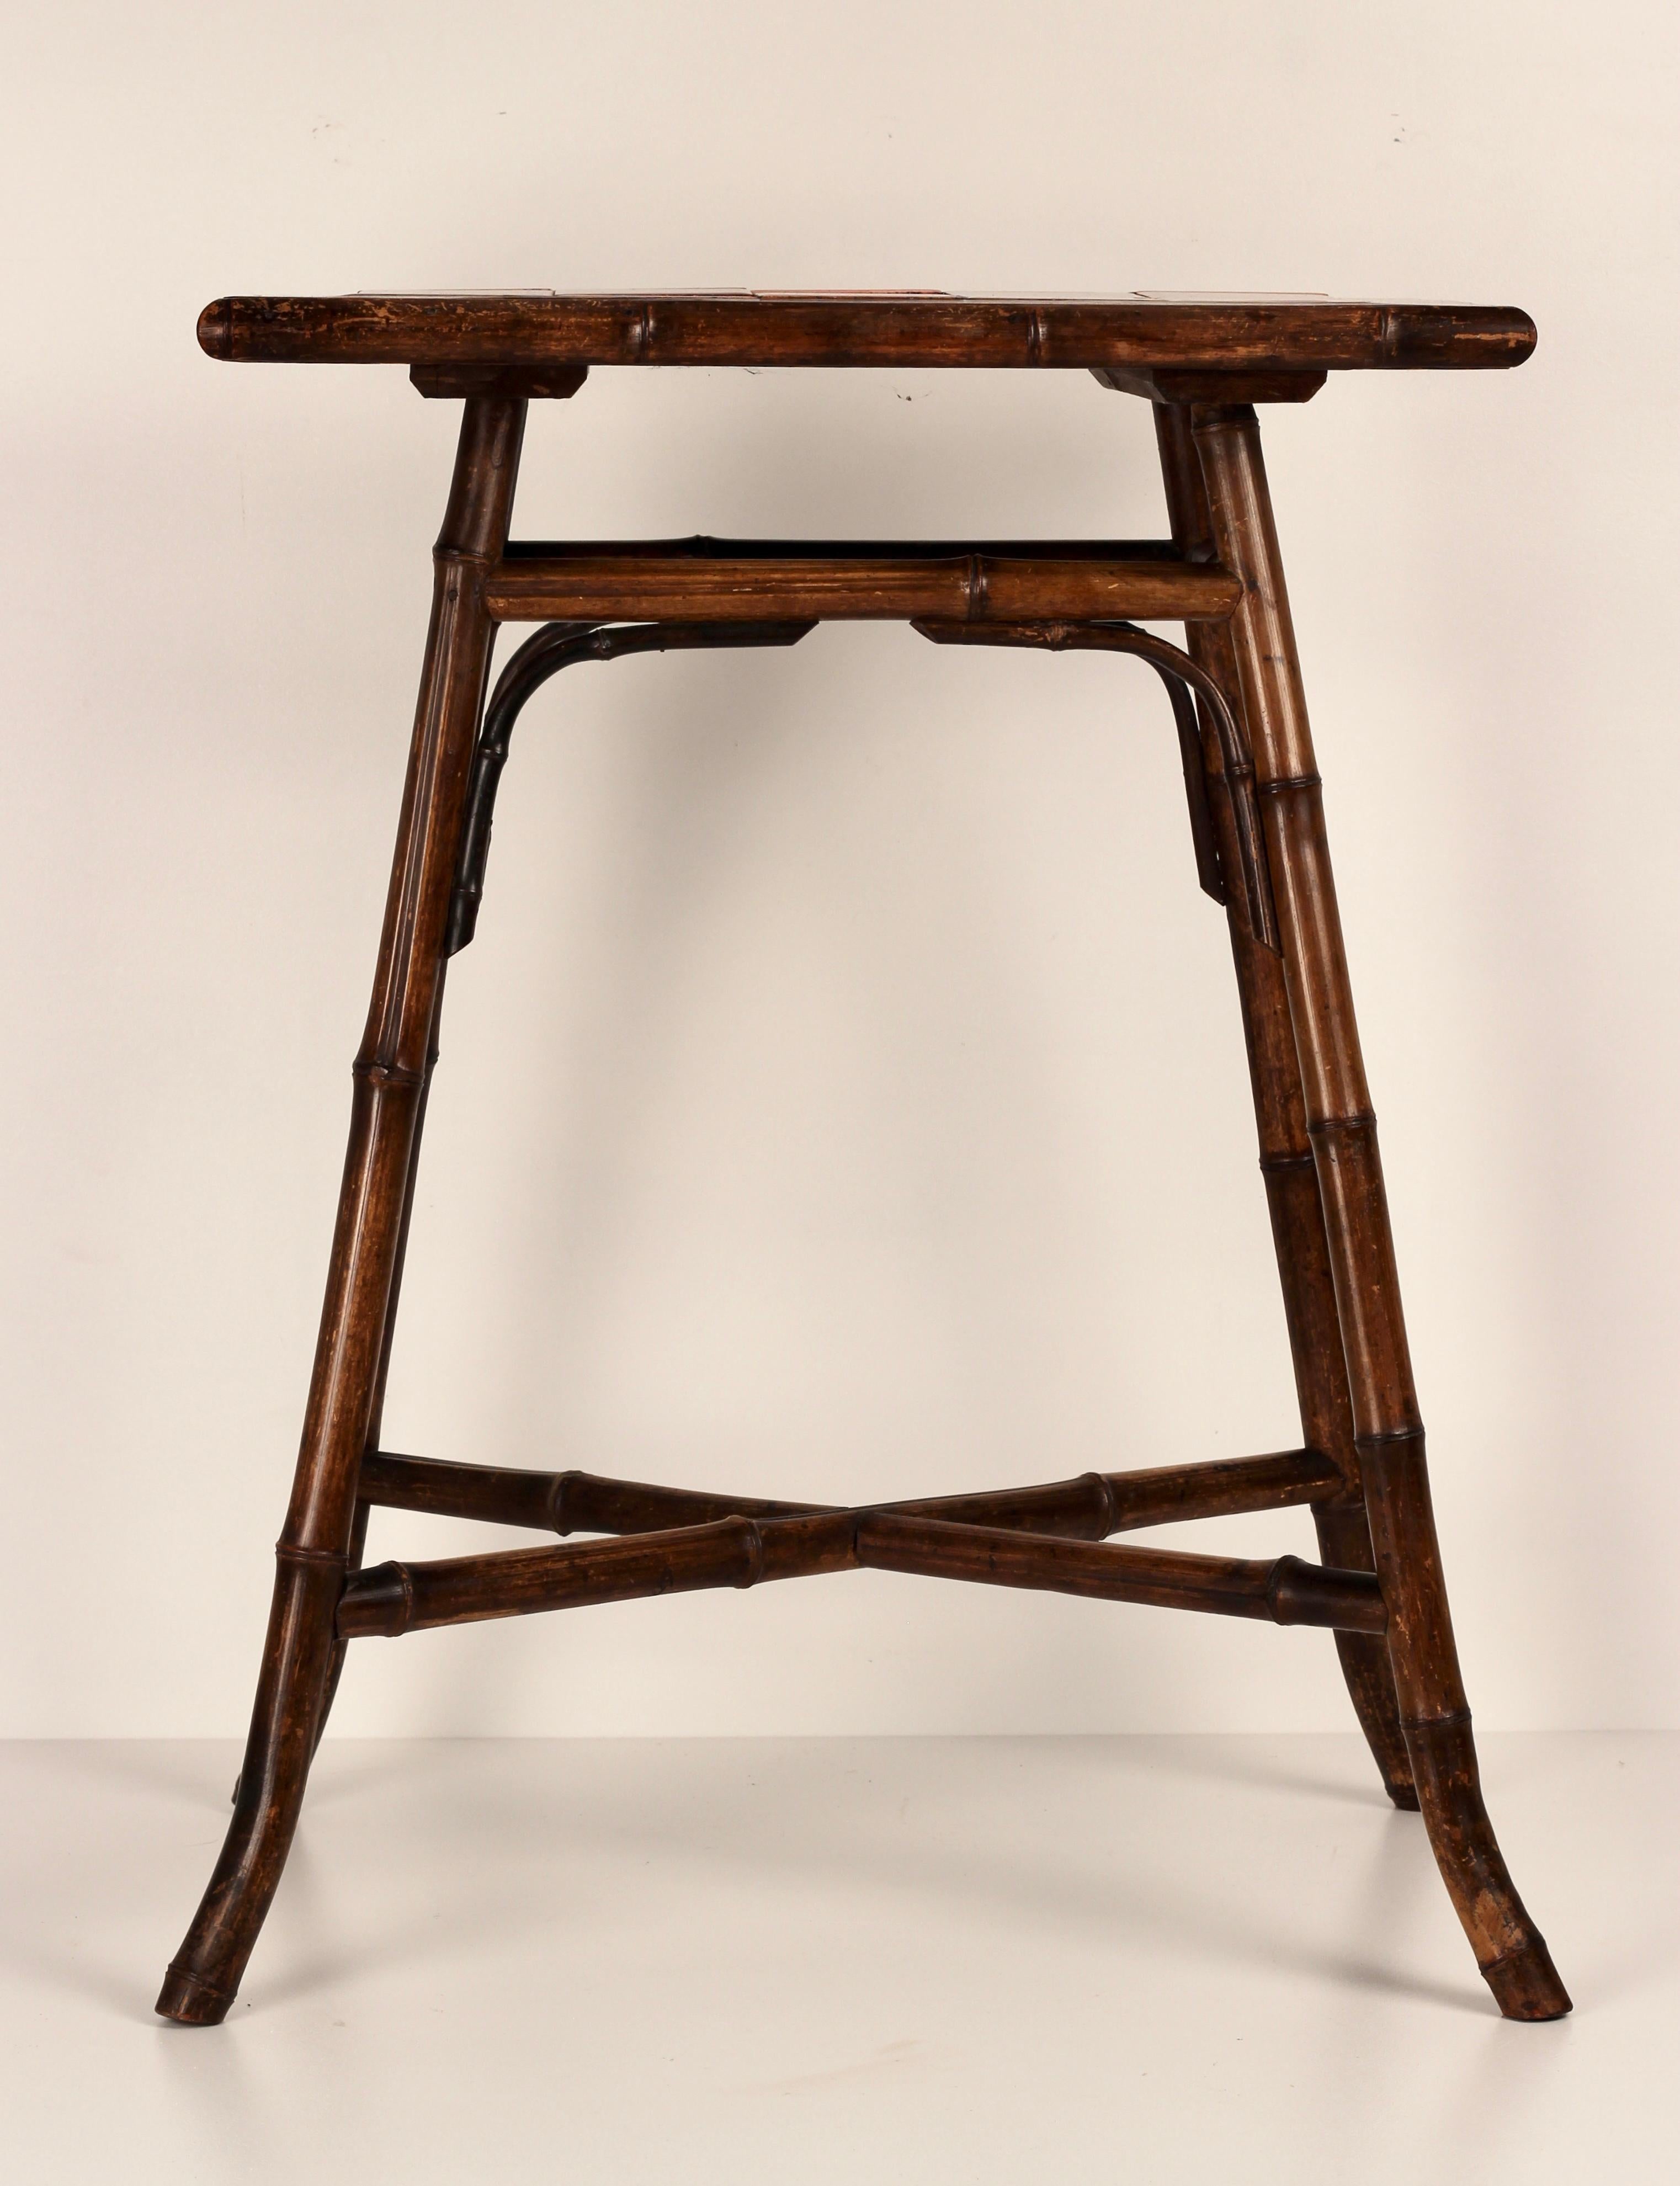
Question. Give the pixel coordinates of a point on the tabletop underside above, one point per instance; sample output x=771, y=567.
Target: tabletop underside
x=1129, y=333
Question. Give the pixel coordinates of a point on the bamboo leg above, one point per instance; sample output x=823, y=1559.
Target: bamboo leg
x=390, y=1073
x=1388, y=1432
x=1286, y=1164
x=358, y=1540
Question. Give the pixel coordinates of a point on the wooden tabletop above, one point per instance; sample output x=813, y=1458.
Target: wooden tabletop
x=1139, y=333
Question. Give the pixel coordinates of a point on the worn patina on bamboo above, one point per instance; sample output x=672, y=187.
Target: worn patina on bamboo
x=1257, y=831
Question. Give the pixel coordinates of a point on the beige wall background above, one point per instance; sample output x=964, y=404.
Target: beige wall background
x=845, y=1093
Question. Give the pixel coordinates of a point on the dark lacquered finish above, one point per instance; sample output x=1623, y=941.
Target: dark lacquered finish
x=1137, y=335
x=1260, y=850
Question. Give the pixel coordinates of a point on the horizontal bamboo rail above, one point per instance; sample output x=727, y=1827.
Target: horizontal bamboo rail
x=1285, y=1590
x=704, y=546
x=1090, y=1507
x=394, y=1598
x=626, y=583
x=739, y=1551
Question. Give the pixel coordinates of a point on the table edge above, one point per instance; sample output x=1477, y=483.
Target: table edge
x=508, y=332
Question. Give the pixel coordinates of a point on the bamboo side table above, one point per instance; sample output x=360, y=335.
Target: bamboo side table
x=1258, y=835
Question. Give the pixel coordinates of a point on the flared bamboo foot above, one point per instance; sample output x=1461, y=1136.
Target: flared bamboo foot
x=190, y=2002
x=1526, y=1986
x=203, y=1977
x=1509, y=1949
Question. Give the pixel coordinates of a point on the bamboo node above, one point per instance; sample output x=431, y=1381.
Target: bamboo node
x=1377, y=1452
x=753, y=1541
x=1525, y=1949
x=1281, y=1605
x=1327, y=1127
x=214, y=1989
x=559, y=1488
x=397, y=1076
x=1108, y=1509
x=388, y=1592
x=1425, y=1726
x=462, y=557
x=1281, y=784
x=288, y=1553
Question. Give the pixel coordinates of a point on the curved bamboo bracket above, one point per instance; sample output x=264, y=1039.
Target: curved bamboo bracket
x=558, y=645
x=1185, y=682
x=561, y=644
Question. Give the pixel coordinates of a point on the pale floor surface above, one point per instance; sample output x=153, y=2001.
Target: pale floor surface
x=894, y=1960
